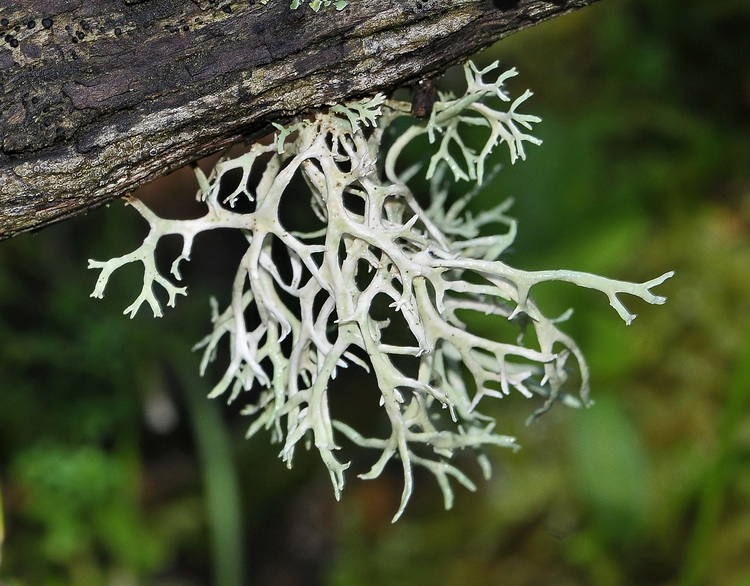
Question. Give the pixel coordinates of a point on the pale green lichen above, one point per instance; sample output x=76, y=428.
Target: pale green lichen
x=316, y=4
x=293, y=323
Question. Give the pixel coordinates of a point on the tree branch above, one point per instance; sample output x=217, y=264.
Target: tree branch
x=98, y=97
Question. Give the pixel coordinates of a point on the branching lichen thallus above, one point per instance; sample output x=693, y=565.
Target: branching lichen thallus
x=433, y=265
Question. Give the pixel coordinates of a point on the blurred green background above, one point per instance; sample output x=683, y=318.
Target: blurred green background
x=116, y=470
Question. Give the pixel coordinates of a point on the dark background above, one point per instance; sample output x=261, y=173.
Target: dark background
x=116, y=470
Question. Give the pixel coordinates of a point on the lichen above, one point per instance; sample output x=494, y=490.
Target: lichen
x=294, y=320
x=315, y=4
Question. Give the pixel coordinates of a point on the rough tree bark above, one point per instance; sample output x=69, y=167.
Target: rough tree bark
x=98, y=97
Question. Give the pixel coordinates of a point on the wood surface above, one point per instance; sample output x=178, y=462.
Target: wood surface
x=99, y=97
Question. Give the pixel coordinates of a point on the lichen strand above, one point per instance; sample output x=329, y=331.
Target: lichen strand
x=292, y=324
